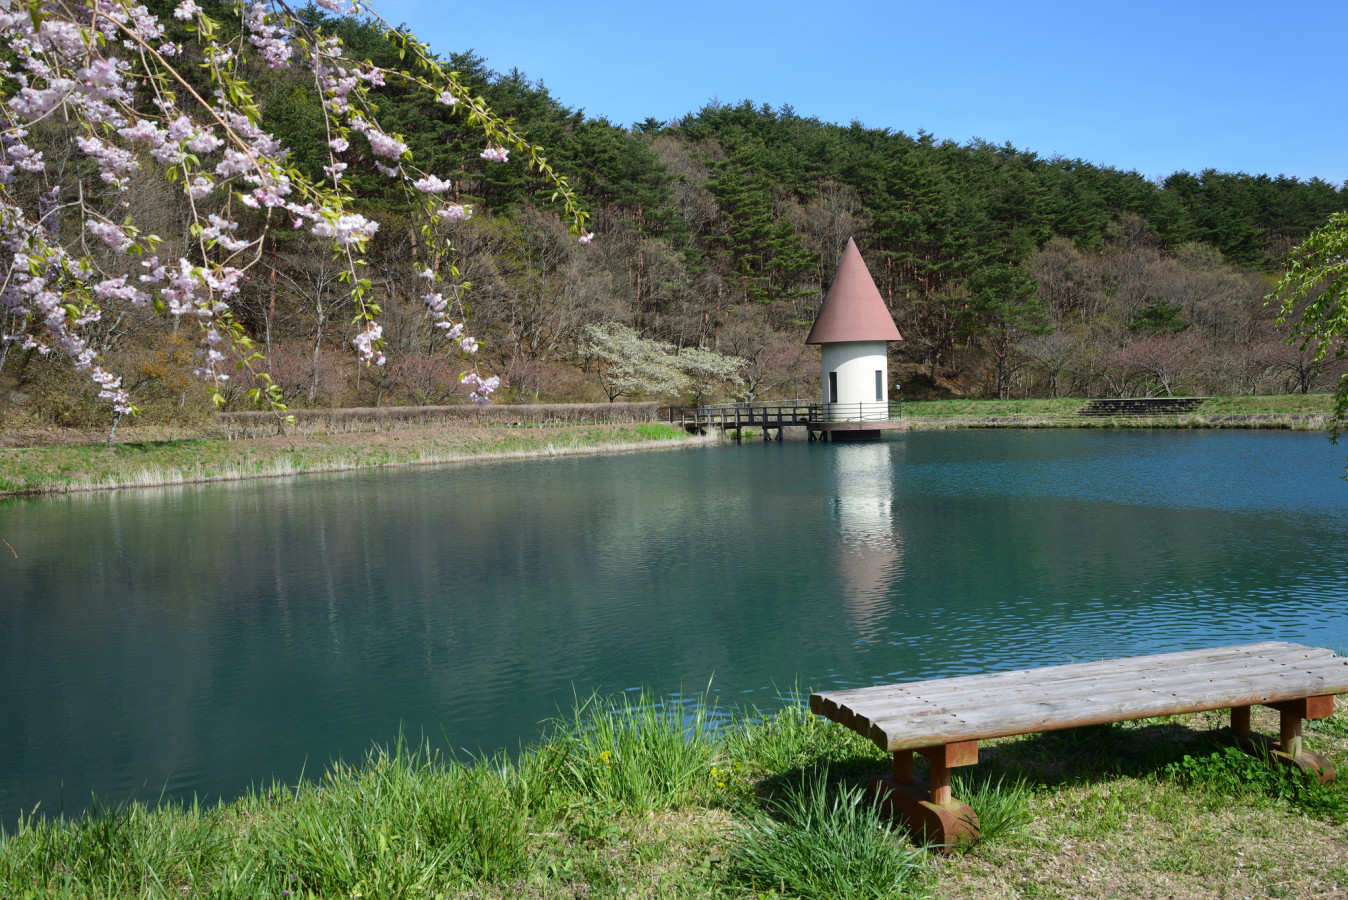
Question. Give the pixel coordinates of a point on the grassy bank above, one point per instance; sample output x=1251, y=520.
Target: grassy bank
x=1302, y=412
x=648, y=801
x=146, y=463
x=62, y=469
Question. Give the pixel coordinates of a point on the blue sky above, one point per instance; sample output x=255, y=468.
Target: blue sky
x=1156, y=87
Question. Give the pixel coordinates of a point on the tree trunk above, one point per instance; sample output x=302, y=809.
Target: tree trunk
x=271, y=298
x=313, y=369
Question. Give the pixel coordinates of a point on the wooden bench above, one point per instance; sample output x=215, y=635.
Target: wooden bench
x=944, y=719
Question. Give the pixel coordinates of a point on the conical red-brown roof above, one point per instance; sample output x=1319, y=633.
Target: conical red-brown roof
x=853, y=309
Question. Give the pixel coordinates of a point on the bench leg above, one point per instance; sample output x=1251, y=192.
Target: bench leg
x=1287, y=750
x=903, y=767
x=928, y=810
x=1240, y=721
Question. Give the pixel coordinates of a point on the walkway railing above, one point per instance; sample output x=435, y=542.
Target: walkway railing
x=776, y=413
x=860, y=412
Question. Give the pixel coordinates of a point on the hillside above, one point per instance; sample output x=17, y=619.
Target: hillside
x=1009, y=274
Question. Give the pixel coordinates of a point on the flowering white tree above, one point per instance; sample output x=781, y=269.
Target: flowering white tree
x=629, y=364
x=95, y=92
x=707, y=370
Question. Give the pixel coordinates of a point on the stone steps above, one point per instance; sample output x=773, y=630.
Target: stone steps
x=1141, y=406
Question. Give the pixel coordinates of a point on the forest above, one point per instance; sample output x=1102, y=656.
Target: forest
x=1009, y=274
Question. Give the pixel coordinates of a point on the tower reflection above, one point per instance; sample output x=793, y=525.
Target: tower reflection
x=869, y=543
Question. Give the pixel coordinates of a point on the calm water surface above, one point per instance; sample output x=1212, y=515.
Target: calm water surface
x=202, y=639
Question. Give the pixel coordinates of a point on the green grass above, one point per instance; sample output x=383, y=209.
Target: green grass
x=1269, y=404
x=1231, y=772
x=1272, y=404
x=1002, y=806
x=149, y=464
x=635, y=754
x=793, y=738
x=822, y=841
x=968, y=407
x=640, y=797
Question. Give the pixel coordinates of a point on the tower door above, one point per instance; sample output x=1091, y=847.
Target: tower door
x=832, y=387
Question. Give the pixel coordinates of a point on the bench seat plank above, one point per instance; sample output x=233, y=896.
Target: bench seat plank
x=1185, y=682
x=915, y=698
x=1132, y=667
x=973, y=707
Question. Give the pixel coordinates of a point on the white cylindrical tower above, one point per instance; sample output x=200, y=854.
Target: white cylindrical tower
x=856, y=373
x=853, y=329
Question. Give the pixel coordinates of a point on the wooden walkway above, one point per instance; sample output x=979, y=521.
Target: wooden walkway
x=822, y=421
x=944, y=719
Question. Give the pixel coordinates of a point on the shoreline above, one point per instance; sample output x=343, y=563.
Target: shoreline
x=69, y=469
x=180, y=460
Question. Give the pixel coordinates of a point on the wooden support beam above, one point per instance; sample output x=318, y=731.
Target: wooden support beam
x=1308, y=707
x=903, y=766
x=1289, y=749
x=1289, y=732
x=939, y=781
x=953, y=755
x=1240, y=721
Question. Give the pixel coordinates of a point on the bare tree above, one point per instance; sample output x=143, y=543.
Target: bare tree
x=1159, y=363
x=1053, y=352
x=310, y=279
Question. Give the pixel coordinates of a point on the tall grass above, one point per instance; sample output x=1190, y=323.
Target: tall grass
x=409, y=823
x=622, y=797
x=402, y=824
x=792, y=738
x=820, y=844
x=639, y=754
x=1002, y=806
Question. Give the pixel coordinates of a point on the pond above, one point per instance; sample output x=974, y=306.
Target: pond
x=199, y=640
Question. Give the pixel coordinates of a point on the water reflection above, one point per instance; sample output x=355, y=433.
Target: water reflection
x=869, y=542
x=199, y=639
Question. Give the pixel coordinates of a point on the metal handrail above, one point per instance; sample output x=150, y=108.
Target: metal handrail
x=787, y=412
x=877, y=411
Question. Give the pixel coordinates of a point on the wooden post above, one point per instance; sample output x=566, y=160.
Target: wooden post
x=1289, y=731
x=1288, y=749
x=929, y=809
x=1240, y=721
x=903, y=766
x=939, y=780
x=942, y=759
